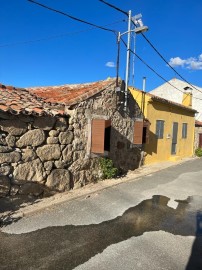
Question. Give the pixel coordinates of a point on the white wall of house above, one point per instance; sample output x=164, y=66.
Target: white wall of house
x=171, y=93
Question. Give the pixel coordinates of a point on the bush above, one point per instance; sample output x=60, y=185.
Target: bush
x=198, y=152
x=108, y=169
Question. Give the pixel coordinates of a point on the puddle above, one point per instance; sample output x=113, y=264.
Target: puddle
x=69, y=246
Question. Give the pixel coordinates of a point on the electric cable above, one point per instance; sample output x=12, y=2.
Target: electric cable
x=163, y=58
x=168, y=63
x=154, y=70
x=159, y=74
x=72, y=17
x=52, y=37
x=112, y=6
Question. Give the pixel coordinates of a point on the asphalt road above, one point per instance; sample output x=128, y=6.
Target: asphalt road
x=151, y=223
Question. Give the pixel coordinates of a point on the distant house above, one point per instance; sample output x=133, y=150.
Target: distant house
x=168, y=128
x=170, y=92
x=51, y=138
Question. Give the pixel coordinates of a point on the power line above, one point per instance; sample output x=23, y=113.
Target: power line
x=51, y=37
x=159, y=74
x=112, y=6
x=72, y=17
x=154, y=70
x=168, y=63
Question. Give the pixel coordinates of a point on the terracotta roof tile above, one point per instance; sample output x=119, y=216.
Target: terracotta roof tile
x=18, y=100
x=198, y=123
x=70, y=94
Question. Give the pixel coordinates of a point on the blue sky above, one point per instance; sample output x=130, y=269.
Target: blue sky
x=39, y=47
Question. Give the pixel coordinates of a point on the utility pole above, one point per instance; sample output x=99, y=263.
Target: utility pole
x=127, y=61
x=139, y=28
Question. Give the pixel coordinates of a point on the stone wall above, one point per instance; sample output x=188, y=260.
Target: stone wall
x=124, y=154
x=33, y=154
x=42, y=155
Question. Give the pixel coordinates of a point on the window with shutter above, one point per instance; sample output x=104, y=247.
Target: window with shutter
x=100, y=138
x=184, y=130
x=138, y=132
x=159, y=128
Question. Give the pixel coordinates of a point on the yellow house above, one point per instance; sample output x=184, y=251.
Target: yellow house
x=171, y=132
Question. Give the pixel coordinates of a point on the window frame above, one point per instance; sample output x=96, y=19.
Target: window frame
x=160, y=125
x=98, y=135
x=184, y=130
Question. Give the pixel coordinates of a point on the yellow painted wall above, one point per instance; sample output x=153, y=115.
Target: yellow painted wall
x=160, y=149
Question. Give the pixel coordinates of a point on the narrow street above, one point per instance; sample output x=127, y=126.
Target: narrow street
x=153, y=223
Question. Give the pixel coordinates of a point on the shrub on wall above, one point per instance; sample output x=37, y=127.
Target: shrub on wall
x=198, y=152
x=107, y=168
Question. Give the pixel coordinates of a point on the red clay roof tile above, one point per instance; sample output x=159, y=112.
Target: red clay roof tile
x=48, y=100
x=70, y=94
x=198, y=123
x=18, y=100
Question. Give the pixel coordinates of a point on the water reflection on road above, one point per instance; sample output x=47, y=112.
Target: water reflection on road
x=69, y=246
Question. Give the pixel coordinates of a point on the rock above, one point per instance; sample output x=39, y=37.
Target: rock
x=66, y=137
x=11, y=157
x=60, y=164
x=48, y=165
x=44, y=122
x=28, y=155
x=54, y=133
x=33, y=137
x=5, y=149
x=4, y=185
x=67, y=154
x=79, y=179
x=49, y=152
x=52, y=140
x=14, y=190
x=29, y=171
x=59, y=180
x=10, y=140
x=61, y=124
x=13, y=127
x=3, y=141
x=5, y=170
x=71, y=128
x=78, y=144
x=31, y=189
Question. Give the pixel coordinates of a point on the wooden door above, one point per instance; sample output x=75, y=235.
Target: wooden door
x=200, y=140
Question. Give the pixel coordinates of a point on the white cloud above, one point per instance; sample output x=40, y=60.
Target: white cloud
x=189, y=63
x=200, y=57
x=177, y=61
x=196, y=65
x=110, y=64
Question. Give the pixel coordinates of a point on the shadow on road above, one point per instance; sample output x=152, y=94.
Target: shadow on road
x=10, y=205
x=195, y=261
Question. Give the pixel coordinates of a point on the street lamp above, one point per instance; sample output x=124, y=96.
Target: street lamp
x=139, y=28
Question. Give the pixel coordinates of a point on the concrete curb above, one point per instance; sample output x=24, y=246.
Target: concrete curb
x=85, y=192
